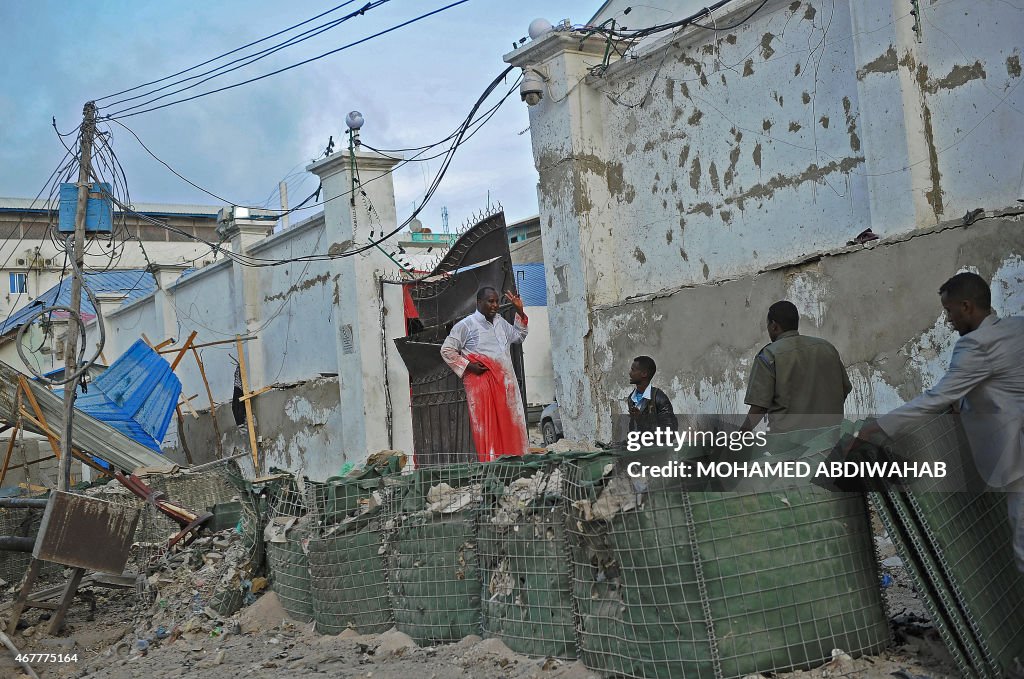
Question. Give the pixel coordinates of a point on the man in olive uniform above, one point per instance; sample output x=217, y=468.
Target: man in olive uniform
x=798, y=382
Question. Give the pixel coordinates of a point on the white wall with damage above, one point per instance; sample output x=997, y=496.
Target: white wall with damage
x=705, y=157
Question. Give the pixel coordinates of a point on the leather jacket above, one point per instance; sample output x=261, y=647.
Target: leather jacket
x=655, y=412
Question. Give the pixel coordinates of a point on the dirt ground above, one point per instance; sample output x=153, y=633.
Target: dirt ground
x=120, y=642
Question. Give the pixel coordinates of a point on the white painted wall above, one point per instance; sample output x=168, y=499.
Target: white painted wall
x=707, y=157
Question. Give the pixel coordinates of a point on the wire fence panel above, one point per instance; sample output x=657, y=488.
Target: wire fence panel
x=964, y=539
x=287, y=541
x=527, y=595
x=433, y=571
x=717, y=584
x=347, y=557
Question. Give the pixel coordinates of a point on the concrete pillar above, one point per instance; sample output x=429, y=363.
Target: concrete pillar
x=357, y=310
x=893, y=120
x=568, y=141
x=109, y=301
x=243, y=233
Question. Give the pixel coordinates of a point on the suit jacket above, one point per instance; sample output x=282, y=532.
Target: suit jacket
x=654, y=412
x=986, y=375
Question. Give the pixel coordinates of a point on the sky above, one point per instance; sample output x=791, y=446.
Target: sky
x=413, y=86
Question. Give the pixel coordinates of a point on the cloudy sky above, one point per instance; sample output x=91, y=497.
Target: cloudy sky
x=413, y=86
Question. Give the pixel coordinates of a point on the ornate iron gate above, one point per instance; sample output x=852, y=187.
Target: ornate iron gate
x=440, y=419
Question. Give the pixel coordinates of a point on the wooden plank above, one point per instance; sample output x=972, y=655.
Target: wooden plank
x=250, y=423
x=255, y=394
x=181, y=434
x=14, y=438
x=184, y=348
x=57, y=621
x=203, y=345
x=21, y=602
x=165, y=343
x=213, y=406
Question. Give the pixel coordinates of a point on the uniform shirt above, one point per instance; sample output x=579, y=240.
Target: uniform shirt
x=798, y=376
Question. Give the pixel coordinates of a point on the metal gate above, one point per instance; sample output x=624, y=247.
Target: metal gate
x=440, y=418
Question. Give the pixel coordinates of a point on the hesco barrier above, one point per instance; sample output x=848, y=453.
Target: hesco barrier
x=957, y=547
x=287, y=539
x=717, y=584
x=527, y=595
x=347, y=557
x=433, y=572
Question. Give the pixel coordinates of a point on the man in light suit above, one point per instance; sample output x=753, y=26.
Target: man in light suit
x=986, y=379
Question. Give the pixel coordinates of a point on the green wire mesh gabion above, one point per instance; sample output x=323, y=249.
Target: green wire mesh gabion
x=288, y=559
x=347, y=558
x=717, y=584
x=433, y=572
x=527, y=596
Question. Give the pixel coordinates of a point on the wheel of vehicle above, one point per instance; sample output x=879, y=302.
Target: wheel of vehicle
x=550, y=435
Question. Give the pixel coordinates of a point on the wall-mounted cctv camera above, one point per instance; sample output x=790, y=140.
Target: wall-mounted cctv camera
x=531, y=89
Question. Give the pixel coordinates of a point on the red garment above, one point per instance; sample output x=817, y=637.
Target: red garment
x=494, y=412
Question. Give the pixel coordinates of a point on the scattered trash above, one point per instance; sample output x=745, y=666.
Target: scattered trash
x=893, y=562
x=886, y=580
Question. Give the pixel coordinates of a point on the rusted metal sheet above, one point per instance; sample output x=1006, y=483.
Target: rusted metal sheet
x=86, y=532
x=440, y=417
x=88, y=434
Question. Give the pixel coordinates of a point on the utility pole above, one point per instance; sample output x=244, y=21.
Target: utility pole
x=283, y=187
x=86, y=134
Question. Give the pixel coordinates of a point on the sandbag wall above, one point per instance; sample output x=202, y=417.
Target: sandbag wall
x=566, y=556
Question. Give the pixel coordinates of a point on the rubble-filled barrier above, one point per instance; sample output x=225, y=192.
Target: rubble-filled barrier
x=286, y=539
x=347, y=557
x=433, y=575
x=527, y=597
x=707, y=584
x=957, y=547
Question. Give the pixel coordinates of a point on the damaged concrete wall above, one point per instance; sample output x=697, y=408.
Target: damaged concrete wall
x=878, y=304
x=295, y=306
x=708, y=156
x=299, y=426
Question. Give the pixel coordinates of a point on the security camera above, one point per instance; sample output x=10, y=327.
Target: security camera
x=531, y=89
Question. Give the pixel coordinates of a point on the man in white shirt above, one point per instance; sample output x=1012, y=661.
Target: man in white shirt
x=477, y=350
x=986, y=379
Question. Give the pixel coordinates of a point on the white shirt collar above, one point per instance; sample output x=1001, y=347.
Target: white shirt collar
x=647, y=392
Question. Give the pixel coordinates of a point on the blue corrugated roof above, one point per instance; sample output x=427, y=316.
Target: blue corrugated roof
x=136, y=395
x=531, y=283
x=135, y=283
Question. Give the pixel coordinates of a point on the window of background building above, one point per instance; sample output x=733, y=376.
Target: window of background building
x=19, y=283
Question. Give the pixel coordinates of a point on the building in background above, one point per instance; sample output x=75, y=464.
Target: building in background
x=31, y=261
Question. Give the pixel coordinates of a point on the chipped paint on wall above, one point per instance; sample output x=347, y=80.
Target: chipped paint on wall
x=809, y=290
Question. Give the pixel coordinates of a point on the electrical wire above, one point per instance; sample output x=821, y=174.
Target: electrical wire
x=226, y=54
x=248, y=60
x=248, y=260
x=127, y=112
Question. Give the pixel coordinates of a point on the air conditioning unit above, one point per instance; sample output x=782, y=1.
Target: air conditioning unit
x=21, y=262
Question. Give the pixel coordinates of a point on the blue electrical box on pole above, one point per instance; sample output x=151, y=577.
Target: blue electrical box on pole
x=99, y=212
